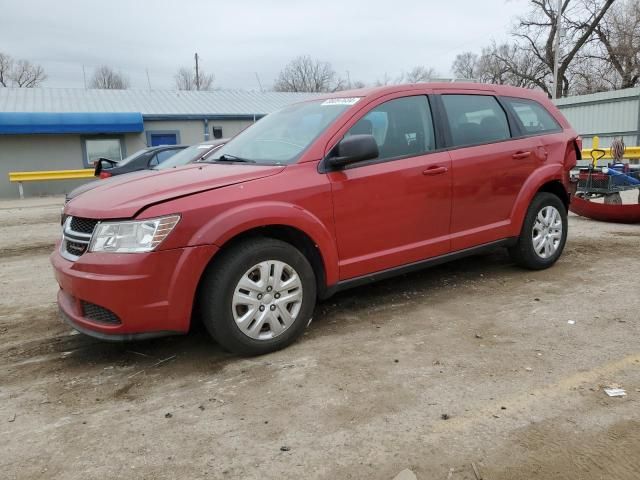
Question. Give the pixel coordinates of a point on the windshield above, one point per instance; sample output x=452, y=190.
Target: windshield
x=281, y=137
x=133, y=156
x=184, y=156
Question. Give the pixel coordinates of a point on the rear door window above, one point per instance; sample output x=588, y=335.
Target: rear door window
x=402, y=127
x=475, y=119
x=533, y=117
x=165, y=155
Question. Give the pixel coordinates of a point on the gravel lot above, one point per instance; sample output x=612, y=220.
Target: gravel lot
x=470, y=362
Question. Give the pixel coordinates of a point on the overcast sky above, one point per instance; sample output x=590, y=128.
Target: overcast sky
x=238, y=38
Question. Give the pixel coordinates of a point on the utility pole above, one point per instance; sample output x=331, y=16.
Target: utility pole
x=556, y=57
x=148, y=80
x=84, y=77
x=197, y=73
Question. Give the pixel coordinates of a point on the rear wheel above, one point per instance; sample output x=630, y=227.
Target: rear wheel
x=258, y=297
x=544, y=233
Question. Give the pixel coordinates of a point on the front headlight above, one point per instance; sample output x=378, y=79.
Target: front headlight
x=132, y=236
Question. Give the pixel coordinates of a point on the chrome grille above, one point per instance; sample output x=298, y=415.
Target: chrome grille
x=76, y=236
x=99, y=314
x=83, y=225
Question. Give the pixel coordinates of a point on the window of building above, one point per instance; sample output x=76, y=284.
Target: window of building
x=533, y=116
x=103, y=147
x=401, y=127
x=155, y=138
x=475, y=119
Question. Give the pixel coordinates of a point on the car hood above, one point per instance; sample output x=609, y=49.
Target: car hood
x=85, y=187
x=126, y=195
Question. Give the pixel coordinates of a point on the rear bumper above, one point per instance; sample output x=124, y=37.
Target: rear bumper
x=148, y=294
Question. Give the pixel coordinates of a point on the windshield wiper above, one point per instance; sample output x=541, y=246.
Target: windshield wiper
x=232, y=158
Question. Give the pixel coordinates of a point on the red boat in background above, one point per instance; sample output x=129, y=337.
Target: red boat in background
x=602, y=212
x=595, y=183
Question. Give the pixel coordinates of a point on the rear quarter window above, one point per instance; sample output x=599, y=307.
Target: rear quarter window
x=533, y=117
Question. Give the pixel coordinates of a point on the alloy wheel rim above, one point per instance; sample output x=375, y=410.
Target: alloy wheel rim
x=267, y=300
x=547, y=232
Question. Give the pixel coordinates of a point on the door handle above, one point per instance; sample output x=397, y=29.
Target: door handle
x=518, y=155
x=435, y=171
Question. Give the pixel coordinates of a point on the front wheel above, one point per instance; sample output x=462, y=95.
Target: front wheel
x=257, y=297
x=543, y=235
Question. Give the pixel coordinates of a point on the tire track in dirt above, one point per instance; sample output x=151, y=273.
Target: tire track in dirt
x=14, y=323
x=41, y=248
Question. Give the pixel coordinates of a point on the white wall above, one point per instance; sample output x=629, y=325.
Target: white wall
x=20, y=153
x=192, y=131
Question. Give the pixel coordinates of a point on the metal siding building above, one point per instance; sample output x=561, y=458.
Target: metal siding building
x=58, y=128
x=606, y=114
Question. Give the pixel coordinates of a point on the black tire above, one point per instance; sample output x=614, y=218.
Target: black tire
x=219, y=282
x=524, y=253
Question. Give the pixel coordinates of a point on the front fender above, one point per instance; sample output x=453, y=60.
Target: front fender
x=225, y=226
x=545, y=174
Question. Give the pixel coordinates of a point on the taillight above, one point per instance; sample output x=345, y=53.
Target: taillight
x=578, y=141
x=105, y=175
x=571, y=155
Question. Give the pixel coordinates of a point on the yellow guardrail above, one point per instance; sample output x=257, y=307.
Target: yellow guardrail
x=20, y=177
x=629, y=152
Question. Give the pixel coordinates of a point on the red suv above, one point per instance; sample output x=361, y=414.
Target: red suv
x=324, y=195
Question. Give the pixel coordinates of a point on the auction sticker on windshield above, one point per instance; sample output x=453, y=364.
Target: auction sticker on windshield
x=340, y=101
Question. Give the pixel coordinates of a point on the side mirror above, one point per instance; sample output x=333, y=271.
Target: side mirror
x=103, y=164
x=354, y=148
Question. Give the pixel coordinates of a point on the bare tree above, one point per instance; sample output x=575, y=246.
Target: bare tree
x=106, y=78
x=415, y=75
x=185, y=79
x=511, y=64
x=27, y=75
x=529, y=61
x=21, y=73
x=619, y=36
x=303, y=74
x=349, y=85
x=418, y=74
x=506, y=64
x=537, y=31
x=591, y=74
x=466, y=65
x=6, y=65
x=385, y=80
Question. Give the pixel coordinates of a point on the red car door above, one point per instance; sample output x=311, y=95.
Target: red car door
x=489, y=168
x=395, y=209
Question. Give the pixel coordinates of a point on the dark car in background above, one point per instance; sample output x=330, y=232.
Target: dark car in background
x=184, y=155
x=141, y=160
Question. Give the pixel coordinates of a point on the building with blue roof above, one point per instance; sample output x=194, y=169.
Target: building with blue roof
x=67, y=128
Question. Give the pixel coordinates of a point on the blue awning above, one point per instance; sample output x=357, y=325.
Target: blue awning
x=19, y=123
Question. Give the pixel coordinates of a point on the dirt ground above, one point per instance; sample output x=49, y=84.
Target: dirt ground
x=474, y=361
